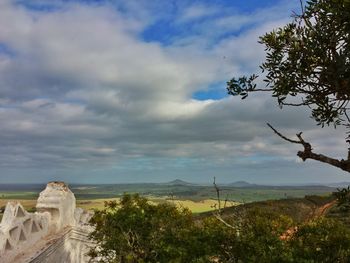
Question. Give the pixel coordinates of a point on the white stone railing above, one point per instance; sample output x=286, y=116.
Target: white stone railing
x=24, y=236
x=20, y=229
x=71, y=246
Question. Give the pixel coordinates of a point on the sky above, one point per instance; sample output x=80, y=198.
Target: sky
x=114, y=91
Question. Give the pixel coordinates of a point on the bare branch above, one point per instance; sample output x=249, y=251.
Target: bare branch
x=224, y=222
x=282, y=136
x=217, y=213
x=296, y=104
x=308, y=154
x=217, y=194
x=226, y=200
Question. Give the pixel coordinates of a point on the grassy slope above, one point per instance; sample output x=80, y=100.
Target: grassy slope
x=341, y=213
x=299, y=209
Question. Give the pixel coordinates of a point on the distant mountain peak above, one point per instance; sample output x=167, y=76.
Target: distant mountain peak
x=178, y=182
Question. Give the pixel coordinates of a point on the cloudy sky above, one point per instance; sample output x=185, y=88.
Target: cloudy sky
x=134, y=91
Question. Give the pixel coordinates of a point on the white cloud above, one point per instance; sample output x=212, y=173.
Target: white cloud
x=83, y=88
x=197, y=11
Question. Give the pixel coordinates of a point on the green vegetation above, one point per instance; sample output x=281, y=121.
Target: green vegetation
x=179, y=192
x=299, y=210
x=199, y=192
x=135, y=230
x=308, y=64
x=197, y=198
x=341, y=211
x=193, y=206
x=132, y=228
x=321, y=240
x=23, y=195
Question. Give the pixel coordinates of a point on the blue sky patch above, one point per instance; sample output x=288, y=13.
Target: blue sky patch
x=214, y=92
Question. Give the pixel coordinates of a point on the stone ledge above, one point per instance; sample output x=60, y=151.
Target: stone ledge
x=57, y=232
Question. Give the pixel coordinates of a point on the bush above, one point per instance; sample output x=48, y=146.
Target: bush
x=135, y=230
x=321, y=240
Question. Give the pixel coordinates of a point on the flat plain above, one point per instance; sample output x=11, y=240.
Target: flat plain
x=197, y=198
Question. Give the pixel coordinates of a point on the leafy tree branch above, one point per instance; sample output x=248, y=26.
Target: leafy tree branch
x=308, y=64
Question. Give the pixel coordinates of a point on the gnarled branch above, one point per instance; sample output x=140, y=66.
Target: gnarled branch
x=307, y=153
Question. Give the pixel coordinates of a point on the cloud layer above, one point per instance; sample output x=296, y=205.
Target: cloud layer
x=89, y=94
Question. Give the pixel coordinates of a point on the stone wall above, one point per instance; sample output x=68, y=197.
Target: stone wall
x=57, y=232
x=71, y=246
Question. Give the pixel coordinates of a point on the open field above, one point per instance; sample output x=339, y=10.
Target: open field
x=194, y=206
x=198, y=193
x=201, y=206
x=176, y=191
x=197, y=198
x=90, y=204
x=15, y=195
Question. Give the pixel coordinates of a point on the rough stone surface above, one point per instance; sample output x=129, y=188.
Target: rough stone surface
x=57, y=232
x=59, y=201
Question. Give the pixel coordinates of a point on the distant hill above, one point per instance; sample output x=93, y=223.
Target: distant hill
x=178, y=182
x=242, y=184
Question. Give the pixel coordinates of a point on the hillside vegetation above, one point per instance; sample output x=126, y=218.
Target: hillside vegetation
x=293, y=230
x=299, y=210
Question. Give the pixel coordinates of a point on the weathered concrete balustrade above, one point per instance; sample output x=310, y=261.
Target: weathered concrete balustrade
x=57, y=232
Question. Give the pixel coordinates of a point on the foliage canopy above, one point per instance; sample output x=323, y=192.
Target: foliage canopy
x=308, y=64
x=135, y=230
x=308, y=58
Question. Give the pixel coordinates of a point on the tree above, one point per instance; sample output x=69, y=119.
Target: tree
x=308, y=64
x=321, y=240
x=135, y=230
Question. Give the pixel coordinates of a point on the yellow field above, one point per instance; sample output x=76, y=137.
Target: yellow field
x=28, y=204
x=195, y=207
x=200, y=206
x=94, y=203
x=85, y=204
